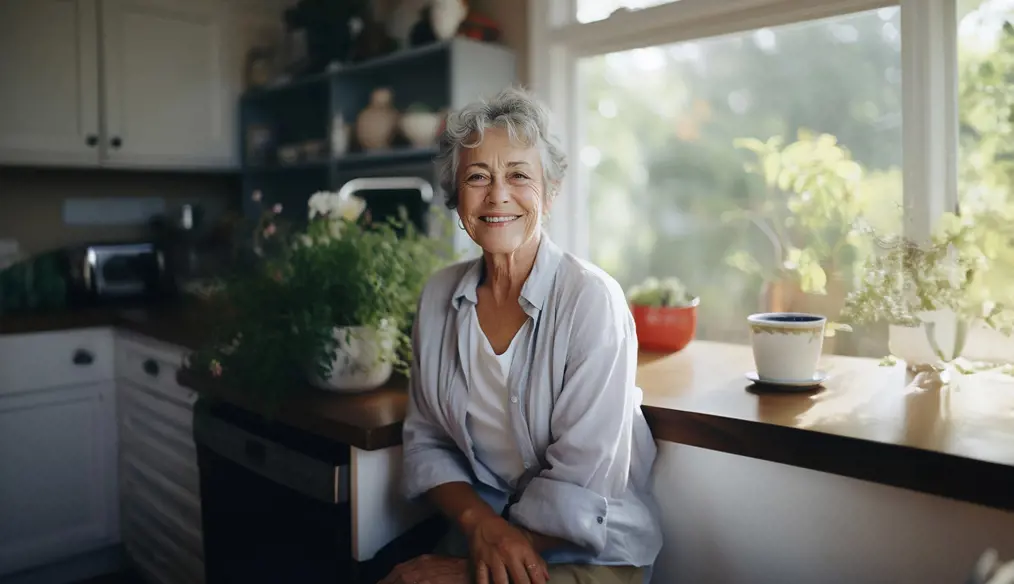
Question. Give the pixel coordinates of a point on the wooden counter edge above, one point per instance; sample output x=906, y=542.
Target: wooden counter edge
x=935, y=473
x=361, y=438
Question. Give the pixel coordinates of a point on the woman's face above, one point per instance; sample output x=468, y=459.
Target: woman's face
x=501, y=195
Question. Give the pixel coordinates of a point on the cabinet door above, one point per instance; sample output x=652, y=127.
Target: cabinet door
x=58, y=455
x=49, y=82
x=167, y=101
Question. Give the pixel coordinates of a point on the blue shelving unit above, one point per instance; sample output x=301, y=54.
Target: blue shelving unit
x=442, y=76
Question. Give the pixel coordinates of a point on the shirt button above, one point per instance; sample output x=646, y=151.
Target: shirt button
x=599, y=519
x=514, y=399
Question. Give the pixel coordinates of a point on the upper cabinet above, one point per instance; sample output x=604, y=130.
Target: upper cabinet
x=49, y=82
x=125, y=83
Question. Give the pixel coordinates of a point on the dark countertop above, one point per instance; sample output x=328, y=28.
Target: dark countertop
x=866, y=423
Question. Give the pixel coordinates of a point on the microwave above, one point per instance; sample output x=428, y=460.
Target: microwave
x=117, y=271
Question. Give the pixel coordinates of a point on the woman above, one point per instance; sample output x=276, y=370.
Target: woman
x=524, y=425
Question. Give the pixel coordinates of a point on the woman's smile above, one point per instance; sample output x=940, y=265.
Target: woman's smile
x=498, y=221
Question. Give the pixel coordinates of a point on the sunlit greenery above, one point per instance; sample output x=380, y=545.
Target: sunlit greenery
x=756, y=166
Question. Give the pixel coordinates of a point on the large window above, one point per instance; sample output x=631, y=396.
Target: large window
x=743, y=165
x=759, y=150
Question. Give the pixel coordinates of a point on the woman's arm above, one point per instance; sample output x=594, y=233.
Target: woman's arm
x=497, y=548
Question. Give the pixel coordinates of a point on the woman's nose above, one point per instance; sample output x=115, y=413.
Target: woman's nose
x=498, y=192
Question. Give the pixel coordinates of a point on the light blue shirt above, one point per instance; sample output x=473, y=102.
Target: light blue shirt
x=574, y=409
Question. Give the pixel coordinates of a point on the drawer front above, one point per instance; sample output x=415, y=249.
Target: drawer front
x=150, y=440
x=155, y=367
x=54, y=359
x=172, y=506
x=171, y=420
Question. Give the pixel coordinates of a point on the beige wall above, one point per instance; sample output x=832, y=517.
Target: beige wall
x=31, y=201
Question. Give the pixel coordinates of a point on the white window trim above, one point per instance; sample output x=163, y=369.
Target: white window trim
x=929, y=84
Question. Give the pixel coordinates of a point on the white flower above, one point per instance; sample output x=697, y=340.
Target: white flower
x=334, y=228
x=345, y=206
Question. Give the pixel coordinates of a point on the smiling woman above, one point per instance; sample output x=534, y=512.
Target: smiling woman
x=523, y=425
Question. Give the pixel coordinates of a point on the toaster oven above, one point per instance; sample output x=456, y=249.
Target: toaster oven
x=117, y=271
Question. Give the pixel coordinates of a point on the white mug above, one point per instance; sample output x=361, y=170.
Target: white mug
x=786, y=345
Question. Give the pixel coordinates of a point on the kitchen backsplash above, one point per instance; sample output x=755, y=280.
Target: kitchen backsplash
x=33, y=202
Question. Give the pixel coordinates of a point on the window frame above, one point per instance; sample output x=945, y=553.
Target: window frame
x=929, y=85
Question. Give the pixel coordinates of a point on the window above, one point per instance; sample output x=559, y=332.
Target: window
x=745, y=165
x=691, y=121
x=592, y=10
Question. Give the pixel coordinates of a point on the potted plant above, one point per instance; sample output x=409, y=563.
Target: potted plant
x=665, y=314
x=332, y=306
x=936, y=295
x=816, y=201
x=360, y=283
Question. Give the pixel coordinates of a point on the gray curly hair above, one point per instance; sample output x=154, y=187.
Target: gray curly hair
x=526, y=120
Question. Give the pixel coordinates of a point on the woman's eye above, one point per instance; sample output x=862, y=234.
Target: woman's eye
x=519, y=176
x=477, y=178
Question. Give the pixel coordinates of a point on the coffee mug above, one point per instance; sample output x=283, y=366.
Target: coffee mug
x=786, y=345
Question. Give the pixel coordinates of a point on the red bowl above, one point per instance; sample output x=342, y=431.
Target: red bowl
x=665, y=329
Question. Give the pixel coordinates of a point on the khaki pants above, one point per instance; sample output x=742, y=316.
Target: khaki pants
x=585, y=574
x=453, y=544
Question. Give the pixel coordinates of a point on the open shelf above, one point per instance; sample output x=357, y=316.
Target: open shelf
x=386, y=155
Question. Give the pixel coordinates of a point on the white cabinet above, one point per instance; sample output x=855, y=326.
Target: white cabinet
x=58, y=447
x=157, y=89
x=159, y=481
x=49, y=82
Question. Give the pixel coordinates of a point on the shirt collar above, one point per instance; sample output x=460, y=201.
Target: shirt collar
x=536, y=287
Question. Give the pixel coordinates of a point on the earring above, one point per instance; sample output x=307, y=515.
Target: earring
x=461, y=225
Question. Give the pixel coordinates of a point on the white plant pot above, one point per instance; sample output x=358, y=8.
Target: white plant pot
x=920, y=345
x=359, y=364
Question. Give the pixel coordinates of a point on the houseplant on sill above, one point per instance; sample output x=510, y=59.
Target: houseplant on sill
x=665, y=314
x=332, y=305
x=935, y=295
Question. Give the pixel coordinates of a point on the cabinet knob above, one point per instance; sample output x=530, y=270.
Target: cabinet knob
x=116, y=142
x=82, y=357
x=151, y=367
x=92, y=140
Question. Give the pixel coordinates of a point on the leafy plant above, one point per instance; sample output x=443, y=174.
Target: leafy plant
x=816, y=198
x=277, y=320
x=669, y=292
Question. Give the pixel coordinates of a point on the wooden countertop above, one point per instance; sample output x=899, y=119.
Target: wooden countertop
x=867, y=422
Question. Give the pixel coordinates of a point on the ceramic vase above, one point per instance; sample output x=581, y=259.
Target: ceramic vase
x=446, y=16
x=376, y=123
x=420, y=128
x=360, y=362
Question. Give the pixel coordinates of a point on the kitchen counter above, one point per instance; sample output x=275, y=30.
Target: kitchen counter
x=865, y=423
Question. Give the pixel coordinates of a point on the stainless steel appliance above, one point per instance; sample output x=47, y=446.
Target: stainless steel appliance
x=117, y=271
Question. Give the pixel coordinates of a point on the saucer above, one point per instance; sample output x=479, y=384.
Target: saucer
x=799, y=384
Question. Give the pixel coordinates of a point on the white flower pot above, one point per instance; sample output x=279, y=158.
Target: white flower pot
x=360, y=362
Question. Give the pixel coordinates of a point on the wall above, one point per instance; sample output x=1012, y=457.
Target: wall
x=732, y=519
x=31, y=201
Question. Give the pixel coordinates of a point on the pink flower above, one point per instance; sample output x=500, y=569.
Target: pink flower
x=269, y=230
x=277, y=208
x=216, y=368
x=256, y=196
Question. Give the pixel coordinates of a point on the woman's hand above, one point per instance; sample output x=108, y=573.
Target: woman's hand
x=499, y=550
x=428, y=569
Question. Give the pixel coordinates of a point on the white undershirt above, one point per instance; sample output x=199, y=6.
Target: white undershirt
x=488, y=422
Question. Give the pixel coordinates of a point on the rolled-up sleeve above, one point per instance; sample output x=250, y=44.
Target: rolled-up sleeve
x=589, y=459
x=431, y=457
